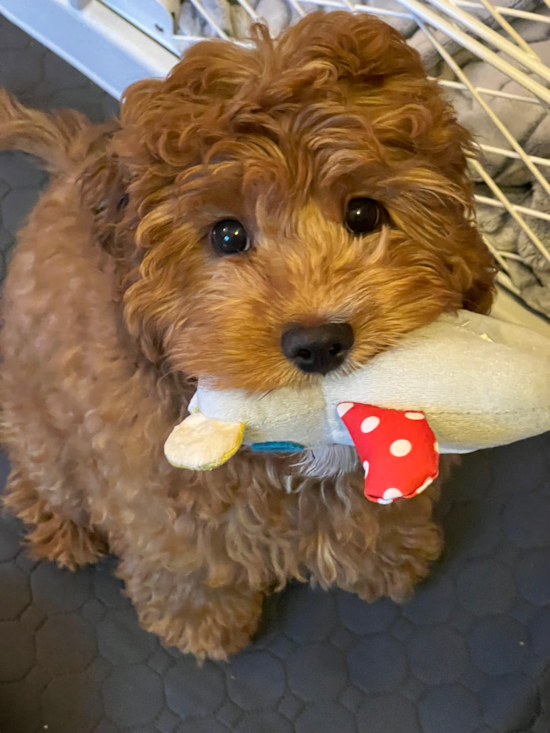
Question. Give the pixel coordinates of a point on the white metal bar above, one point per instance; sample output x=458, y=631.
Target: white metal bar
x=524, y=14
x=520, y=209
x=479, y=49
x=209, y=19
x=298, y=8
x=489, y=92
x=508, y=28
x=347, y=4
x=512, y=211
x=504, y=279
x=511, y=256
x=495, y=119
x=382, y=12
x=179, y=37
x=511, y=154
x=494, y=251
x=487, y=34
x=409, y=16
x=249, y=9
x=369, y=9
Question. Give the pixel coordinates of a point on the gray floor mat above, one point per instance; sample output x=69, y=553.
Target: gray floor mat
x=469, y=654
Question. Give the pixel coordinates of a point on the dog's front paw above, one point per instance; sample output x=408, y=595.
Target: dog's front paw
x=51, y=534
x=211, y=631
x=209, y=623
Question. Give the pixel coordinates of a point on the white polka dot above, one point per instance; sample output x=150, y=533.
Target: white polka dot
x=414, y=416
x=392, y=494
x=343, y=407
x=385, y=501
x=366, y=467
x=436, y=447
x=369, y=424
x=427, y=482
x=400, y=448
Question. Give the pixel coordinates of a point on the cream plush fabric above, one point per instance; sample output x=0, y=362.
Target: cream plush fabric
x=480, y=382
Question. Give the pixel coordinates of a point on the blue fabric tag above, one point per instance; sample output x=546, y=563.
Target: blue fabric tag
x=277, y=447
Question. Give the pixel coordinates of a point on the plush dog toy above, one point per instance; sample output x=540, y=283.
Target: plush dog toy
x=462, y=383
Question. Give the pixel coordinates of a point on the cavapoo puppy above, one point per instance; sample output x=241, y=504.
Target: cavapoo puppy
x=317, y=182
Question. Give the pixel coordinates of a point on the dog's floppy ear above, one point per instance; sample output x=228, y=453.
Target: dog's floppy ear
x=104, y=186
x=104, y=192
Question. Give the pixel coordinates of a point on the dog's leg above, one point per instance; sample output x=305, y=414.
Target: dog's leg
x=55, y=532
x=373, y=550
x=407, y=543
x=186, y=613
x=403, y=557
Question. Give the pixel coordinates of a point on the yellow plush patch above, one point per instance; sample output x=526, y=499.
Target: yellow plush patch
x=201, y=444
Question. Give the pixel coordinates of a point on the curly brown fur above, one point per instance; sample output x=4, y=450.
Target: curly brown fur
x=115, y=302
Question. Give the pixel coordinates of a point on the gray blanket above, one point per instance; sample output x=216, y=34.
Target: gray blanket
x=528, y=269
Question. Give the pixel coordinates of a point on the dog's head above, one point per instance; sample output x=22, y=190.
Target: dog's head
x=290, y=208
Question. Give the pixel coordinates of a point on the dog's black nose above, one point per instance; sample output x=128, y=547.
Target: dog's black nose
x=319, y=349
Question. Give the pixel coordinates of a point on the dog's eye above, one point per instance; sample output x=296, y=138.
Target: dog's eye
x=229, y=237
x=364, y=216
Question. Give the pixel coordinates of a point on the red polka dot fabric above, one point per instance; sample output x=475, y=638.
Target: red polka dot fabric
x=398, y=450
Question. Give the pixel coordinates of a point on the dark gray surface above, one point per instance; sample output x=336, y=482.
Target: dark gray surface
x=469, y=654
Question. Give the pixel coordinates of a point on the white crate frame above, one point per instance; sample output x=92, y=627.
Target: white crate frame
x=107, y=48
